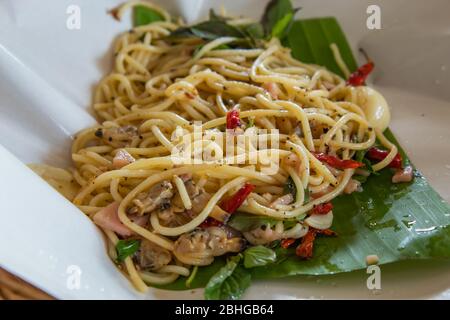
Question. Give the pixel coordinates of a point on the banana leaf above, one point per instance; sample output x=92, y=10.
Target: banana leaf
x=394, y=221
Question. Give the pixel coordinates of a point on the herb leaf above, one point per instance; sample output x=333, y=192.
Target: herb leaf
x=254, y=31
x=278, y=18
x=144, y=15
x=245, y=222
x=214, y=16
x=307, y=195
x=360, y=157
x=229, y=282
x=208, y=30
x=258, y=256
x=126, y=248
x=289, y=187
x=250, y=123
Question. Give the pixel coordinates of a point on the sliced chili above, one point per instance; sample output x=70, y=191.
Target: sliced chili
x=358, y=78
x=323, y=208
x=305, y=248
x=231, y=204
x=210, y=222
x=233, y=120
x=379, y=155
x=286, y=243
x=338, y=163
x=327, y=232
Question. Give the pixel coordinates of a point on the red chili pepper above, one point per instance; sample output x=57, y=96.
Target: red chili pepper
x=231, y=204
x=286, y=243
x=338, y=163
x=379, y=155
x=233, y=120
x=323, y=208
x=358, y=78
x=210, y=222
x=327, y=232
x=305, y=248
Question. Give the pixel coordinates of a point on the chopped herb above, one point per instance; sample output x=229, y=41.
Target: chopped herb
x=289, y=187
x=229, y=282
x=144, y=15
x=191, y=276
x=361, y=179
x=208, y=30
x=126, y=248
x=258, y=256
x=250, y=123
x=307, y=195
x=278, y=18
x=360, y=156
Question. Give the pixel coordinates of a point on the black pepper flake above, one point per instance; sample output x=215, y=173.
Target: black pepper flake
x=99, y=133
x=110, y=139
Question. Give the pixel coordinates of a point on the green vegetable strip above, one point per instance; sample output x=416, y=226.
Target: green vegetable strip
x=143, y=16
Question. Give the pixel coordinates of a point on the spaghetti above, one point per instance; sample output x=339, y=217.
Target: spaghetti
x=127, y=180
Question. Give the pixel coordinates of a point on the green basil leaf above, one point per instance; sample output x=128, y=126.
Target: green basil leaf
x=289, y=187
x=245, y=222
x=307, y=195
x=280, y=28
x=229, y=282
x=359, y=155
x=255, y=31
x=126, y=248
x=258, y=256
x=250, y=123
x=278, y=17
x=143, y=16
x=208, y=30
x=368, y=166
x=214, y=16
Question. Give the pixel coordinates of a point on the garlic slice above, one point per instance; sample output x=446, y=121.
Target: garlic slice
x=320, y=221
x=296, y=232
x=374, y=106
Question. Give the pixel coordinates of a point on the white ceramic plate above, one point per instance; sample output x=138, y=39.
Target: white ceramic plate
x=47, y=73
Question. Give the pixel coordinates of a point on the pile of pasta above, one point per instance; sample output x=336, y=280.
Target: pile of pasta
x=158, y=86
